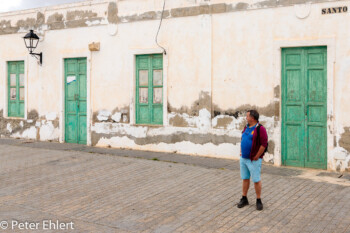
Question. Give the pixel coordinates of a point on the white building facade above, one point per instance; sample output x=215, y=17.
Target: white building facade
x=105, y=81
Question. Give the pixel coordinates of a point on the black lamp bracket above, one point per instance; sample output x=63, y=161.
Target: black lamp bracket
x=38, y=56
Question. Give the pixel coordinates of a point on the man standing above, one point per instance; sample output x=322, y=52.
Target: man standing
x=253, y=144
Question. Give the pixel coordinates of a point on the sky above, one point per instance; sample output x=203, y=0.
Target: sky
x=12, y=5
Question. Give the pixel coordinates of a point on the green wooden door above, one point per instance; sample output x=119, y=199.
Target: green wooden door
x=304, y=107
x=15, y=89
x=75, y=100
x=149, y=89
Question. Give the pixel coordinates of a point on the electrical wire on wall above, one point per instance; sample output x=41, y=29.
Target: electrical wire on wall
x=160, y=24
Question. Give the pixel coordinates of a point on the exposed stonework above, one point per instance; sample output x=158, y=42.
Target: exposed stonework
x=218, y=8
x=182, y=115
x=345, y=139
x=187, y=11
x=27, y=23
x=149, y=15
x=210, y=9
x=40, y=18
x=9, y=126
x=223, y=122
x=271, y=110
x=118, y=115
x=73, y=19
x=170, y=139
x=33, y=115
x=56, y=17
x=203, y=102
x=34, y=127
x=79, y=23
x=83, y=18
x=178, y=121
x=79, y=14
x=241, y=6
x=7, y=28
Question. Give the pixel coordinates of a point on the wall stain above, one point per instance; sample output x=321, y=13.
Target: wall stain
x=277, y=91
x=40, y=19
x=112, y=16
x=345, y=139
x=271, y=147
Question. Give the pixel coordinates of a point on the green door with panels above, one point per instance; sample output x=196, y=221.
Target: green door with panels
x=75, y=100
x=15, y=89
x=149, y=89
x=304, y=107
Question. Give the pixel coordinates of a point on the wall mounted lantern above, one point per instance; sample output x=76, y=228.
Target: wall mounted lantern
x=31, y=40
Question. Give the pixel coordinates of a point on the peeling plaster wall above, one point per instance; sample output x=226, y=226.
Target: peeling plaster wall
x=220, y=62
x=44, y=128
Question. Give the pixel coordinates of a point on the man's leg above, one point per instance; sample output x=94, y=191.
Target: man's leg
x=257, y=187
x=245, y=175
x=245, y=188
x=256, y=175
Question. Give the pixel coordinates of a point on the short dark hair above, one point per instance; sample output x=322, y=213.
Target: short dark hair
x=254, y=114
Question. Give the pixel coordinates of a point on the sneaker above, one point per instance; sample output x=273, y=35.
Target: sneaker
x=259, y=205
x=243, y=202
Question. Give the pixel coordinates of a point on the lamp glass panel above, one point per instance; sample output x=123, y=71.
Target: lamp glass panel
x=27, y=42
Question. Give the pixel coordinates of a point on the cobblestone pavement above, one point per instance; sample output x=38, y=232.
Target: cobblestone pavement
x=101, y=192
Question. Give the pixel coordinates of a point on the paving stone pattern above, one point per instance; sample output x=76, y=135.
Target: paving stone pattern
x=102, y=192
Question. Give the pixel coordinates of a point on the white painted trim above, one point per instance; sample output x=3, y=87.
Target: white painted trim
x=330, y=42
x=62, y=118
x=5, y=91
x=86, y=55
x=89, y=98
x=132, y=66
